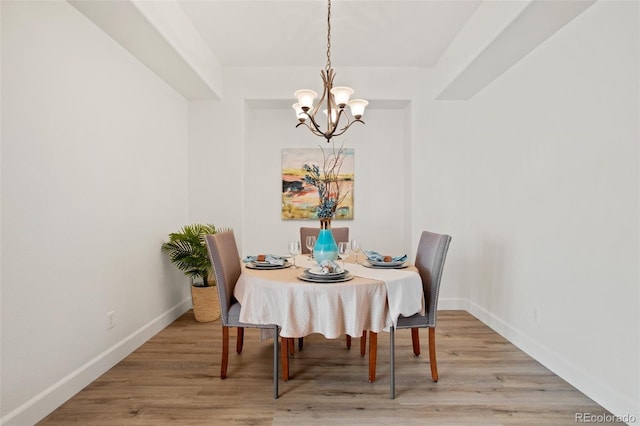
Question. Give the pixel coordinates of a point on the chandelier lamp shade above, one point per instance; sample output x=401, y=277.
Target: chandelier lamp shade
x=333, y=102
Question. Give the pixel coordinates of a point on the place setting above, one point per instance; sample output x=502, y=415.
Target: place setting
x=376, y=260
x=267, y=261
x=326, y=272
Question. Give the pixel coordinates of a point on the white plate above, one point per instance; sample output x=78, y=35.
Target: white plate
x=321, y=280
x=267, y=265
x=325, y=277
x=386, y=264
x=318, y=271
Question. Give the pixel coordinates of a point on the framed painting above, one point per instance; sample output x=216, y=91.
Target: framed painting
x=299, y=198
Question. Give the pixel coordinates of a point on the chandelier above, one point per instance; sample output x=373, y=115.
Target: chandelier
x=333, y=101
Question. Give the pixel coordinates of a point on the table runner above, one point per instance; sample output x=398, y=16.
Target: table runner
x=397, y=282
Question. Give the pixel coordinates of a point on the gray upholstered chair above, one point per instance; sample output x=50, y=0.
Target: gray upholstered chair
x=339, y=234
x=225, y=259
x=430, y=257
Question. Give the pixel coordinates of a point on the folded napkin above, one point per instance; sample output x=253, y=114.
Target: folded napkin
x=330, y=267
x=377, y=257
x=269, y=258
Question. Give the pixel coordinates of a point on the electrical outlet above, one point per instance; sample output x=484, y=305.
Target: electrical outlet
x=535, y=314
x=110, y=319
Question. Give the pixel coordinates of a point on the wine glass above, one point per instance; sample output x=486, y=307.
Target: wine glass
x=355, y=248
x=294, y=250
x=343, y=249
x=310, y=243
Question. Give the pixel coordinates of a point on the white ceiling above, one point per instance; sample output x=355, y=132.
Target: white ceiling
x=469, y=43
x=392, y=33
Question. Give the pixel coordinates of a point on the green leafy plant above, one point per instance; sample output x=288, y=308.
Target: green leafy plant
x=188, y=251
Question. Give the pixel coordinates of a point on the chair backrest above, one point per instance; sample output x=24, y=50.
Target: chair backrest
x=339, y=234
x=225, y=259
x=430, y=257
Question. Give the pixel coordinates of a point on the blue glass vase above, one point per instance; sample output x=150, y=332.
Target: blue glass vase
x=326, y=247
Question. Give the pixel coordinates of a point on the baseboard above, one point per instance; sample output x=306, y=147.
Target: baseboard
x=47, y=401
x=602, y=393
x=51, y=398
x=453, y=304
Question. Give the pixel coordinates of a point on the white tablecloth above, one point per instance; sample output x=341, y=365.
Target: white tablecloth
x=371, y=301
x=402, y=286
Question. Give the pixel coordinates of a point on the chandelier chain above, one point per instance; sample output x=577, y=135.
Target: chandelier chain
x=328, y=67
x=334, y=99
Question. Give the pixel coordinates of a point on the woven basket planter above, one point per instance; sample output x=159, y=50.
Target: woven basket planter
x=206, y=306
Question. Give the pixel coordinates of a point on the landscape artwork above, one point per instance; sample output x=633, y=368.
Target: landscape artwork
x=299, y=198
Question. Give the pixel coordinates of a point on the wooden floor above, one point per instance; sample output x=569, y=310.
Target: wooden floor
x=174, y=379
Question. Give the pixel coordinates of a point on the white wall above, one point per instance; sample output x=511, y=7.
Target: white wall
x=379, y=172
x=94, y=177
x=236, y=152
x=536, y=179
x=548, y=203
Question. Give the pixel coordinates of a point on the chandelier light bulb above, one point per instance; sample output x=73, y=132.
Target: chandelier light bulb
x=306, y=98
x=299, y=112
x=357, y=107
x=334, y=115
x=341, y=95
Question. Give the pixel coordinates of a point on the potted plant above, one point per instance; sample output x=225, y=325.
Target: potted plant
x=187, y=250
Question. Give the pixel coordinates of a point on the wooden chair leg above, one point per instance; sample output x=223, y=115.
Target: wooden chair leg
x=348, y=342
x=292, y=347
x=225, y=352
x=284, y=354
x=415, y=339
x=373, y=354
x=432, y=354
x=240, y=340
x=363, y=343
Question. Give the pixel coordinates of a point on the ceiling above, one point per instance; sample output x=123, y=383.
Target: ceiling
x=468, y=43
x=390, y=33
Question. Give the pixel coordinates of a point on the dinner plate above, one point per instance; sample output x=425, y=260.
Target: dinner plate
x=264, y=263
x=370, y=265
x=324, y=280
x=318, y=271
x=267, y=265
x=386, y=264
x=325, y=277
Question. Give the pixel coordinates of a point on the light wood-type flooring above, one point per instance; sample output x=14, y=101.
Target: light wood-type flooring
x=173, y=379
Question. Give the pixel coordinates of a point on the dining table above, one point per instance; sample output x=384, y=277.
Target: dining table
x=368, y=299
